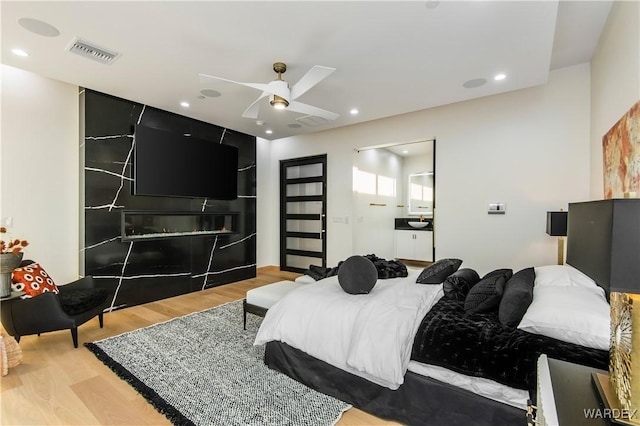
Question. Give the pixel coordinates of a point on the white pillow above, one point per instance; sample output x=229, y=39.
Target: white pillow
x=569, y=313
x=305, y=279
x=562, y=275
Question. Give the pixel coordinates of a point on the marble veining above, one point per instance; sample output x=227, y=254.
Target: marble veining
x=153, y=269
x=237, y=242
x=213, y=249
x=121, y=277
x=104, y=206
x=101, y=243
x=225, y=270
x=121, y=176
x=100, y=138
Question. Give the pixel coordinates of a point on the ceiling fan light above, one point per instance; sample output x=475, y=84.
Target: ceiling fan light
x=278, y=102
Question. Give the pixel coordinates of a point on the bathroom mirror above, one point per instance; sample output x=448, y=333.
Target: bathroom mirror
x=420, y=194
x=382, y=177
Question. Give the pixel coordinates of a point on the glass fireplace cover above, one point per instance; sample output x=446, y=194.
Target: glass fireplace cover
x=147, y=225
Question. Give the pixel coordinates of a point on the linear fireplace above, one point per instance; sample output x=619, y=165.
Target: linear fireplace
x=138, y=225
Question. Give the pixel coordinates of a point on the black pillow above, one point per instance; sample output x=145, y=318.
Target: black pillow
x=357, y=275
x=439, y=271
x=458, y=284
x=517, y=296
x=485, y=295
x=505, y=272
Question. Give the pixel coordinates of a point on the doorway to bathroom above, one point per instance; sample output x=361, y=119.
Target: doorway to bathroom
x=391, y=182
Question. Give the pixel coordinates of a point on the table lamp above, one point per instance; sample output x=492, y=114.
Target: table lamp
x=604, y=243
x=557, y=227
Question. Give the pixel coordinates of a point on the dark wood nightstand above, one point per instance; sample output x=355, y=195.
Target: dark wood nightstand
x=567, y=395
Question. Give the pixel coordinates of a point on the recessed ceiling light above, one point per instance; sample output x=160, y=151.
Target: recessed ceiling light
x=405, y=151
x=268, y=131
x=38, y=27
x=19, y=52
x=184, y=104
x=354, y=111
x=476, y=82
x=499, y=77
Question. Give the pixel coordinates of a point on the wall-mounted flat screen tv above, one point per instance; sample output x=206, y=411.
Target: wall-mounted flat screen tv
x=171, y=164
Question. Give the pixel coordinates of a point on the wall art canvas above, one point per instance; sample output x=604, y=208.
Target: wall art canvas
x=621, y=153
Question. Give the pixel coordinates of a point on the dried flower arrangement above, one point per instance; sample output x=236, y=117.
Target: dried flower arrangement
x=12, y=246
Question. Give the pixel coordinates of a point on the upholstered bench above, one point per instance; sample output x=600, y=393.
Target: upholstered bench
x=260, y=299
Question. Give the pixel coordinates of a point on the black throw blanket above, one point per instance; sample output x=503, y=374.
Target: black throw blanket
x=479, y=345
x=386, y=269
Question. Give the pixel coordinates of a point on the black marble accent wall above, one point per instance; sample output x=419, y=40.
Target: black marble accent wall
x=138, y=271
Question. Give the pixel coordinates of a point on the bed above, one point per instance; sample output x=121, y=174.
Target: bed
x=411, y=352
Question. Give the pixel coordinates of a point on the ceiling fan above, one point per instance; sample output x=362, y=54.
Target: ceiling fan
x=279, y=93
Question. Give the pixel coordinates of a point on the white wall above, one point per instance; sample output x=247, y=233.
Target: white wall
x=39, y=173
x=268, y=220
x=529, y=149
x=615, y=80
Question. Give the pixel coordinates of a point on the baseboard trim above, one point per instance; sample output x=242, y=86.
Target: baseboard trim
x=269, y=268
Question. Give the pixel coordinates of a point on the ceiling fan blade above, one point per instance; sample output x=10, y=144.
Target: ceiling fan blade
x=314, y=76
x=252, y=110
x=279, y=88
x=311, y=110
x=206, y=79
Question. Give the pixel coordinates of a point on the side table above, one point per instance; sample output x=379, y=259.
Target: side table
x=10, y=352
x=567, y=395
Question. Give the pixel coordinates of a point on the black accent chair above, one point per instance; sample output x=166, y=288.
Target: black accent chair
x=77, y=303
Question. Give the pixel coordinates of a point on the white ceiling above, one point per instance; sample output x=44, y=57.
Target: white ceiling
x=392, y=57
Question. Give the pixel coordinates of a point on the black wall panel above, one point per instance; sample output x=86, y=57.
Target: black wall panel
x=137, y=271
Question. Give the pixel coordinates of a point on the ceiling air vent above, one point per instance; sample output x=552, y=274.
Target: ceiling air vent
x=311, y=120
x=92, y=51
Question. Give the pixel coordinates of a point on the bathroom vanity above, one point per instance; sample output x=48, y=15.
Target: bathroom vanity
x=414, y=239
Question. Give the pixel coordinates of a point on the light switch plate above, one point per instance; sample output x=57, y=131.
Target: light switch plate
x=497, y=208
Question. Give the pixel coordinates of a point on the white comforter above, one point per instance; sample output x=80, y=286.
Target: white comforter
x=369, y=335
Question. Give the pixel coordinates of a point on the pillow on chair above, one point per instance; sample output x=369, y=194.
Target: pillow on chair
x=33, y=280
x=81, y=300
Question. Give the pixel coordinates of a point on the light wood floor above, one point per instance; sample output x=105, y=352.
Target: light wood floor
x=59, y=385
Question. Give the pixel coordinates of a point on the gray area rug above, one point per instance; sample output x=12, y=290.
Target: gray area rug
x=202, y=369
